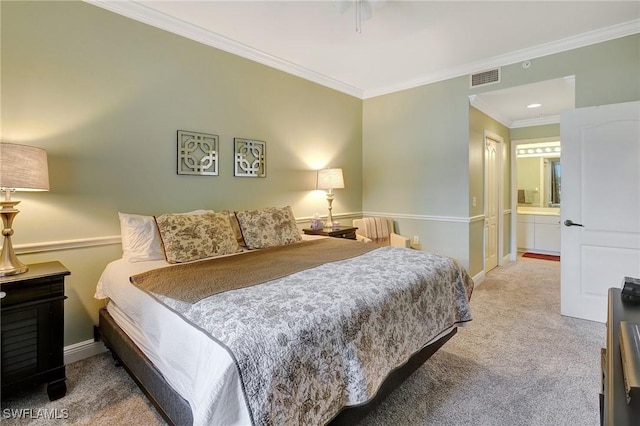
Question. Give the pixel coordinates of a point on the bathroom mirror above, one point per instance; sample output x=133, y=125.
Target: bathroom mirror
x=539, y=175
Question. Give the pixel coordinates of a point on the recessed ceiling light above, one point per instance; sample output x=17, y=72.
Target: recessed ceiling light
x=534, y=106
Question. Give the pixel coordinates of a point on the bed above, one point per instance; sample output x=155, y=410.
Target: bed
x=295, y=330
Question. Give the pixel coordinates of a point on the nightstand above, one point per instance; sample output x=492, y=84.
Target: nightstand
x=347, y=232
x=32, y=329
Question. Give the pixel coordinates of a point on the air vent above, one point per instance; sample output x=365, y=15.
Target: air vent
x=485, y=77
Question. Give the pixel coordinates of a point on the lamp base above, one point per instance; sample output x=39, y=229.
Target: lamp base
x=9, y=263
x=7, y=270
x=330, y=196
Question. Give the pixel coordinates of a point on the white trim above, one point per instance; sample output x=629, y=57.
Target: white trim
x=116, y=239
x=67, y=244
x=144, y=14
x=165, y=22
x=354, y=215
x=482, y=106
x=574, y=42
x=477, y=218
x=81, y=350
x=530, y=122
x=478, y=279
x=429, y=218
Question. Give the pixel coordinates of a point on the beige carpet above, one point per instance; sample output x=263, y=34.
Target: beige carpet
x=517, y=363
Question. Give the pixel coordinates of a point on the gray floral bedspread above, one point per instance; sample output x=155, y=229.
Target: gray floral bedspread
x=308, y=344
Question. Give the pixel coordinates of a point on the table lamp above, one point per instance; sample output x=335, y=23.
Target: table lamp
x=330, y=179
x=22, y=168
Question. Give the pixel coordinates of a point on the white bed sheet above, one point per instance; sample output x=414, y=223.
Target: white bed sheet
x=195, y=365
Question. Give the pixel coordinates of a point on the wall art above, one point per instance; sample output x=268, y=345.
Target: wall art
x=250, y=158
x=197, y=153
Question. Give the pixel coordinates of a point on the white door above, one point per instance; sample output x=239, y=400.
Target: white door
x=490, y=205
x=601, y=192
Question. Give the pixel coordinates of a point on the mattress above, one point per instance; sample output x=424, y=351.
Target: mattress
x=201, y=370
x=197, y=367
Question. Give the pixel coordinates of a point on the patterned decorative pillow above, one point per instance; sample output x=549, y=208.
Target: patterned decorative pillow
x=192, y=237
x=268, y=227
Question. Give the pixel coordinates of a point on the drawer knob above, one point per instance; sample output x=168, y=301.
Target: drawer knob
x=2, y=294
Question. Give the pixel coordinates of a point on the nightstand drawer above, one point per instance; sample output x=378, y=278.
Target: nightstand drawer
x=347, y=235
x=43, y=288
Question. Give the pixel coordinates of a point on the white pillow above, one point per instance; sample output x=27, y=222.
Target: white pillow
x=140, y=238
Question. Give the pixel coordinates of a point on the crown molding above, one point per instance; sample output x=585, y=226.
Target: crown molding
x=479, y=104
x=141, y=13
x=530, y=122
x=574, y=42
x=144, y=14
x=493, y=113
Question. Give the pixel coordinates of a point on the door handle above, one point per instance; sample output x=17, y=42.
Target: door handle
x=569, y=222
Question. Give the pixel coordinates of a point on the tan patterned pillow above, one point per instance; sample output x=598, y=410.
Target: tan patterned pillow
x=191, y=237
x=268, y=227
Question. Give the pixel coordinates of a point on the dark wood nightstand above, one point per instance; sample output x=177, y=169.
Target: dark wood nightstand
x=32, y=329
x=614, y=408
x=347, y=232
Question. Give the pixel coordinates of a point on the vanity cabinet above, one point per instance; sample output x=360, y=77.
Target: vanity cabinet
x=539, y=233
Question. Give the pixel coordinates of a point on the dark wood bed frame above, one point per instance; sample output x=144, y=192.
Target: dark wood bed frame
x=176, y=410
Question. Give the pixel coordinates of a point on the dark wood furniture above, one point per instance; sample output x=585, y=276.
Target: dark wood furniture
x=347, y=232
x=615, y=411
x=32, y=329
x=176, y=410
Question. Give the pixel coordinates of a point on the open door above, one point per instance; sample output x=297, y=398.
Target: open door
x=600, y=211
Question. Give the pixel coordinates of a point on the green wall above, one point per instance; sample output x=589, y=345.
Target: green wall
x=535, y=132
x=105, y=95
x=422, y=164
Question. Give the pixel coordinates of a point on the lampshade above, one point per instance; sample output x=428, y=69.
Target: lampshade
x=23, y=168
x=330, y=179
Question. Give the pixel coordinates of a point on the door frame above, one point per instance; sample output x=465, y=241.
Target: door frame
x=500, y=155
x=514, y=189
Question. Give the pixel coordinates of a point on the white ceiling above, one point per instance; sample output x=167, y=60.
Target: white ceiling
x=509, y=106
x=404, y=44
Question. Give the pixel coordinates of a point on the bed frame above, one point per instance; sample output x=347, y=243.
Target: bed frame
x=176, y=410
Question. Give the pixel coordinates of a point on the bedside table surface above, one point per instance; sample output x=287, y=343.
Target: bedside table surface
x=329, y=231
x=37, y=270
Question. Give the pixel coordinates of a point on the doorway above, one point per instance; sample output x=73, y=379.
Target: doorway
x=493, y=227
x=530, y=111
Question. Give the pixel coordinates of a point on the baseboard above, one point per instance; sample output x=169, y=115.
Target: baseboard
x=81, y=350
x=478, y=278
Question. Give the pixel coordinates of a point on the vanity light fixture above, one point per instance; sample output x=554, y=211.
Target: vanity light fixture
x=534, y=105
x=549, y=149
